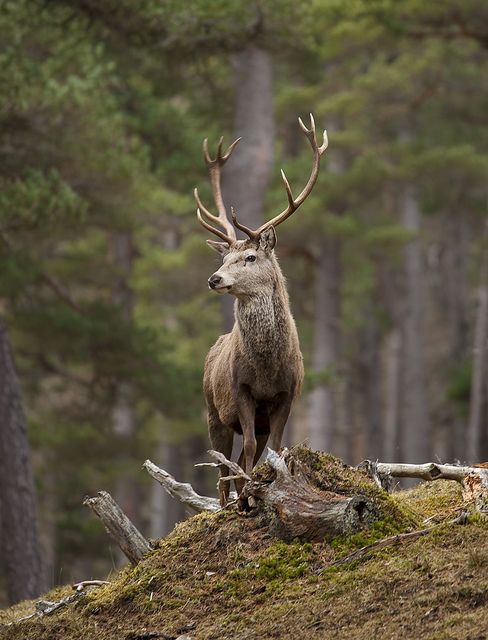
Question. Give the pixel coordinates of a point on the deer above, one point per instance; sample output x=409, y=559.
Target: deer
x=254, y=374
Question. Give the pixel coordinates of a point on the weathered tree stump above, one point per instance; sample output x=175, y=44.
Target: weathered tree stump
x=133, y=544
x=301, y=510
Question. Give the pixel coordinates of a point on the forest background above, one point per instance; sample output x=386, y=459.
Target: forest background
x=104, y=305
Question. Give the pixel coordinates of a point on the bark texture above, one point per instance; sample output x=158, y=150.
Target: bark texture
x=416, y=429
x=21, y=554
x=323, y=399
x=133, y=544
x=303, y=511
x=480, y=361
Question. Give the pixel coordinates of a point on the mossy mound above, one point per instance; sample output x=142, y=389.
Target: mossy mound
x=224, y=576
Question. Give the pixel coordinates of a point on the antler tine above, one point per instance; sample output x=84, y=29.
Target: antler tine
x=294, y=203
x=240, y=226
x=209, y=227
x=214, y=166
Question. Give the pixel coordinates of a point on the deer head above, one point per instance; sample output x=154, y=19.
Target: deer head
x=248, y=264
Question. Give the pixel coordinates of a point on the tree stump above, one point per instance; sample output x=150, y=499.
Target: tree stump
x=129, y=539
x=297, y=509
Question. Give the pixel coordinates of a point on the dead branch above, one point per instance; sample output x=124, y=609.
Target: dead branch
x=119, y=527
x=393, y=540
x=473, y=480
x=428, y=471
x=46, y=607
x=222, y=460
x=182, y=491
x=89, y=583
x=236, y=470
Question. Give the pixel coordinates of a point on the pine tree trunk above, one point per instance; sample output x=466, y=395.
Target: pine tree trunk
x=327, y=432
x=453, y=285
x=415, y=423
x=391, y=377
x=21, y=553
x=246, y=176
x=326, y=353
x=372, y=387
x=480, y=362
x=123, y=414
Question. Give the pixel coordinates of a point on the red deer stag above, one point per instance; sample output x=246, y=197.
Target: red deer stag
x=254, y=373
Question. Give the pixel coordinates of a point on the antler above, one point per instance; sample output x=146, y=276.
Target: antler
x=214, y=168
x=293, y=203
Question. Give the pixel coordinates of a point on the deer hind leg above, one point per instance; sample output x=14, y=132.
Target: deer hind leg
x=221, y=439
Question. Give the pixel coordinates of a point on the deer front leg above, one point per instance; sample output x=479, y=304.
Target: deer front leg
x=246, y=410
x=261, y=443
x=277, y=420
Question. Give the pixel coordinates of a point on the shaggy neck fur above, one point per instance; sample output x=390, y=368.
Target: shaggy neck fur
x=264, y=320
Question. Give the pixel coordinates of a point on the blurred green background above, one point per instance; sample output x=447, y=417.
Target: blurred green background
x=103, y=265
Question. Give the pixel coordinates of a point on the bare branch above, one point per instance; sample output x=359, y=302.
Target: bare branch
x=233, y=466
x=182, y=491
x=393, y=540
x=429, y=471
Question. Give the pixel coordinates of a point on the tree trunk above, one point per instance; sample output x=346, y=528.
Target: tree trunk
x=326, y=353
x=326, y=431
x=123, y=414
x=480, y=353
x=246, y=177
x=416, y=429
x=372, y=386
x=20, y=549
x=453, y=285
x=392, y=375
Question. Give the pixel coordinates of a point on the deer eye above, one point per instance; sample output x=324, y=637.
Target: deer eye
x=251, y=258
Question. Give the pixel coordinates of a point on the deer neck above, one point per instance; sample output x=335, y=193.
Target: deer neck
x=263, y=321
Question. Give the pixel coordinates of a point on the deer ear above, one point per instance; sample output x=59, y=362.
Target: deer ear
x=219, y=247
x=267, y=240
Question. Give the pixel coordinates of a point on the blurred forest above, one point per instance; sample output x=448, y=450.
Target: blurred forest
x=104, y=306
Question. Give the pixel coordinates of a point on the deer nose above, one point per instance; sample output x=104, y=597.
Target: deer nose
x=213, y=281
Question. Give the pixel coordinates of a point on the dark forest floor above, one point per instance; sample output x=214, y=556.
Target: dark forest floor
x=222, y=576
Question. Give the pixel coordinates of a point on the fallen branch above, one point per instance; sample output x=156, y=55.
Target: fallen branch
x=89, y=583
x=473, y=480
x=182, y=491
x=236, y=471
x=119, y=527
x=46, y=607
x=428, y=471
x=391, y=541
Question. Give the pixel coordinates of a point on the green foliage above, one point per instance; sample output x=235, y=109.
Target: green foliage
x=101, y=116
